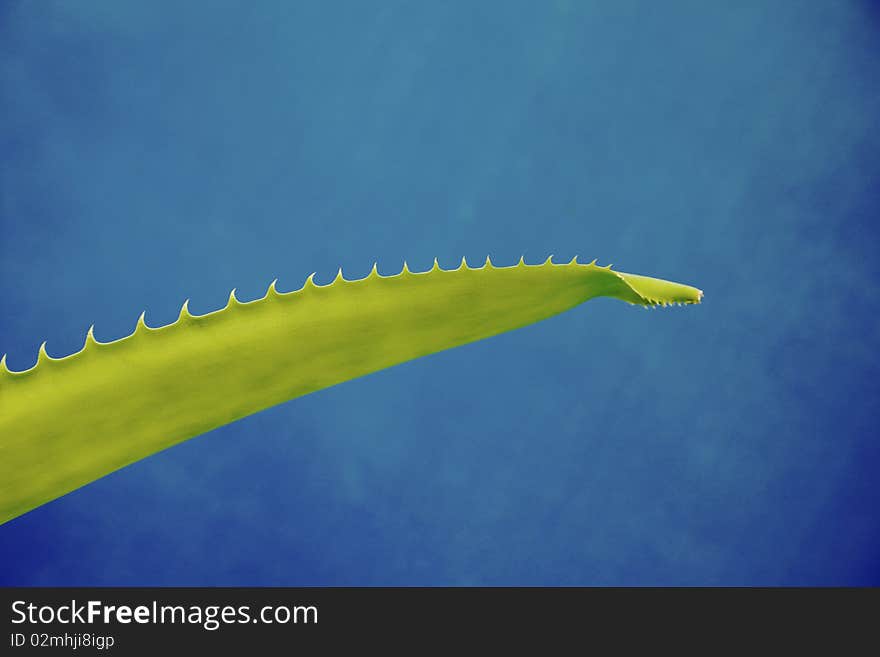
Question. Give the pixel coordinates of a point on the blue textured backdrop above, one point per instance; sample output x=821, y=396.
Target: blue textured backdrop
x=159, y=151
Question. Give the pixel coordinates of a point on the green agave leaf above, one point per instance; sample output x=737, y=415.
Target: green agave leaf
x=68, y=421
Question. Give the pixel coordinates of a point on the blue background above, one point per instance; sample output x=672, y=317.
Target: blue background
x=157, y=151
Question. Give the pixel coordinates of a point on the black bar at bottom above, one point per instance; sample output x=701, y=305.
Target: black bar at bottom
x=133, y=620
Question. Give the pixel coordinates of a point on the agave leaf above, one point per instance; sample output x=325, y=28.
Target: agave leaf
x=68, y=421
